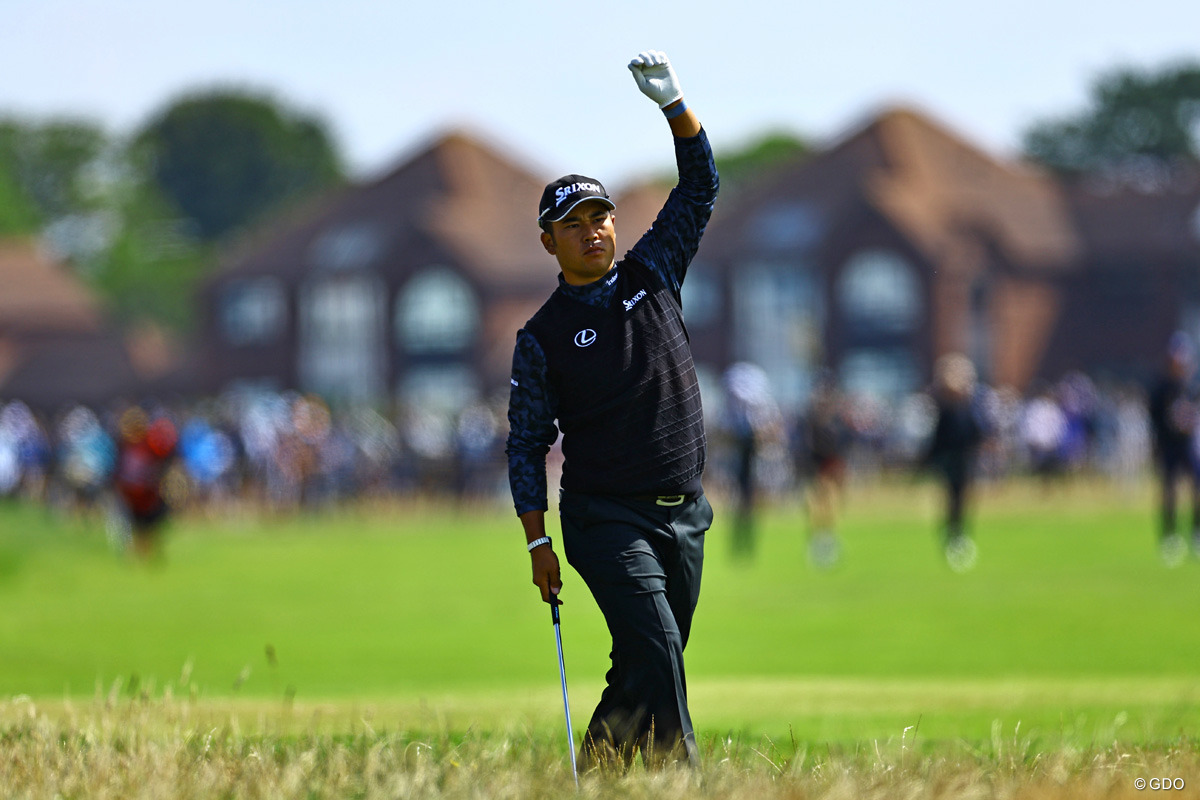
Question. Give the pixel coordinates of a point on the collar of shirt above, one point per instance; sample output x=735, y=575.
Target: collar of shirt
x=597, y=293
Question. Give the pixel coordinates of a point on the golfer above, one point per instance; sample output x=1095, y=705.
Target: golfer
x=607, y=358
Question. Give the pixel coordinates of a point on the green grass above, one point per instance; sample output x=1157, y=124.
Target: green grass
x=1069, y=630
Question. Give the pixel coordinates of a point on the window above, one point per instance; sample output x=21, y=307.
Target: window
x=436, y=312
x=252, y=311
x=979, y=327
x=346, y=248
x=341, y=338
x=778, y=325
x=701, y=297
x=787, y=226
x=879, y=291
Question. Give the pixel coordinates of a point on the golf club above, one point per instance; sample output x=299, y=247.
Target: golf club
x=562, y=673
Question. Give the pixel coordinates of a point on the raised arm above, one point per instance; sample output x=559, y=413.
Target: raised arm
x=657, y=80
x=669, y=245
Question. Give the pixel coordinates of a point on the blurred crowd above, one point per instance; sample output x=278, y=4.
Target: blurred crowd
x=288, y=450
x=1072, y=426
x=277, y=450
x=958, y=431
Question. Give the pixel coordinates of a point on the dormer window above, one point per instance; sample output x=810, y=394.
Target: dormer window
x=346, y=248
x=252, y=312
x=879, y=291
x=436, y=312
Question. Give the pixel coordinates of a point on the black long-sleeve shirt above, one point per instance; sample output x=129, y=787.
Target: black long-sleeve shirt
x=667, y=249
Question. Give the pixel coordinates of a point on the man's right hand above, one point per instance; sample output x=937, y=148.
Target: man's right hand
x=545, y=571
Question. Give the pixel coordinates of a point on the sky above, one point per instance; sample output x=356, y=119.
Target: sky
x=547, y=84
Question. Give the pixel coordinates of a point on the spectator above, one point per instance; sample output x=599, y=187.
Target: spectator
x=143, y=456
x=751, y=418
x=957, y=436
x=1043, y=431
x=1173, y=413
x=86, y=456
x=825, y=439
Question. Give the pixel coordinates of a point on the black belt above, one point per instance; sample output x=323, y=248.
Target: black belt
x=664, y=499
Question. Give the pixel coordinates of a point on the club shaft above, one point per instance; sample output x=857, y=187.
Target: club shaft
x=562, y=673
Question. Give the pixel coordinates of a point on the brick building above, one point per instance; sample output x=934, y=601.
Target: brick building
x=900, y=242
x=56, y=345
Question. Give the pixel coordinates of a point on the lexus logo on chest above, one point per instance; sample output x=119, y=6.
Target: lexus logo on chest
x=585, y=337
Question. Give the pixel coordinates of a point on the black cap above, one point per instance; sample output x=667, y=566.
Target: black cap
x=567, y=192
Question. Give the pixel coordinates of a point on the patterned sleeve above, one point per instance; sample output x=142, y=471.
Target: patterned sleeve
x=532, y=407
x=671, y=243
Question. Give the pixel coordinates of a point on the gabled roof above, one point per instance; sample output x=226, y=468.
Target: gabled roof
x=486, y=210
x=941, y=193
x=39, y=295
x=457, y=198
x=938, y=187
x=1120, y=220
x=55, y=345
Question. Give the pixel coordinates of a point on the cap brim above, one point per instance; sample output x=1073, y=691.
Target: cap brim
x=548, y=218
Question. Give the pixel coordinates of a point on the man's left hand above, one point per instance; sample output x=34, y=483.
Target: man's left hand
x=655, y=77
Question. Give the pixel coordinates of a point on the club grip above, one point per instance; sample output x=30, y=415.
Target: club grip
x=554, y=604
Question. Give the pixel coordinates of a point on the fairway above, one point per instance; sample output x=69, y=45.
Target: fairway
x=420, y=615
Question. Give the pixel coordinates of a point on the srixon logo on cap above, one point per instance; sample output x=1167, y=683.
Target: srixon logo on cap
x=563, y=192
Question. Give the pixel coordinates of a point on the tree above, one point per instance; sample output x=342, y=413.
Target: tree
x=741, y=166
x=138, y=217
x=1136, y=120
x=226, y=158
x=151, y=261
x=70, y=184
x=18, y=216
x=47, y=171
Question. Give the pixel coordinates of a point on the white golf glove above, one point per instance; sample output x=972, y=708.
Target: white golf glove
x=655, y=78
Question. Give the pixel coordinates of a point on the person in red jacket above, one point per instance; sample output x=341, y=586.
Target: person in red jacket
x=144, y=453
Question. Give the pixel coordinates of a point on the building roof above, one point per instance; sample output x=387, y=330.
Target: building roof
x=1121, y=220
x=486, y=210
x=55, y=345
x=939, y=188
x=40, y=295
x=58, y=371
x=457, y=199
x=946, y=196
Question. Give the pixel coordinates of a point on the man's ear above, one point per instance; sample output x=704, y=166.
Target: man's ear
x=548, y=243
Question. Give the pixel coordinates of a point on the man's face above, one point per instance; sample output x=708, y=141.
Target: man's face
x=584, y=242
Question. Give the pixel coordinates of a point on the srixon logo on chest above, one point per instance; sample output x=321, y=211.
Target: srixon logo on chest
x=633, y=301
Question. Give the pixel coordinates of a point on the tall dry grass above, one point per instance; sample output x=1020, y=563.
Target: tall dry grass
x=183, y=749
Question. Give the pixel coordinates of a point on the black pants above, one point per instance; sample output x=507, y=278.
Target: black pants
x=642, y=563
x=956, y=500
x=1172, y=465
